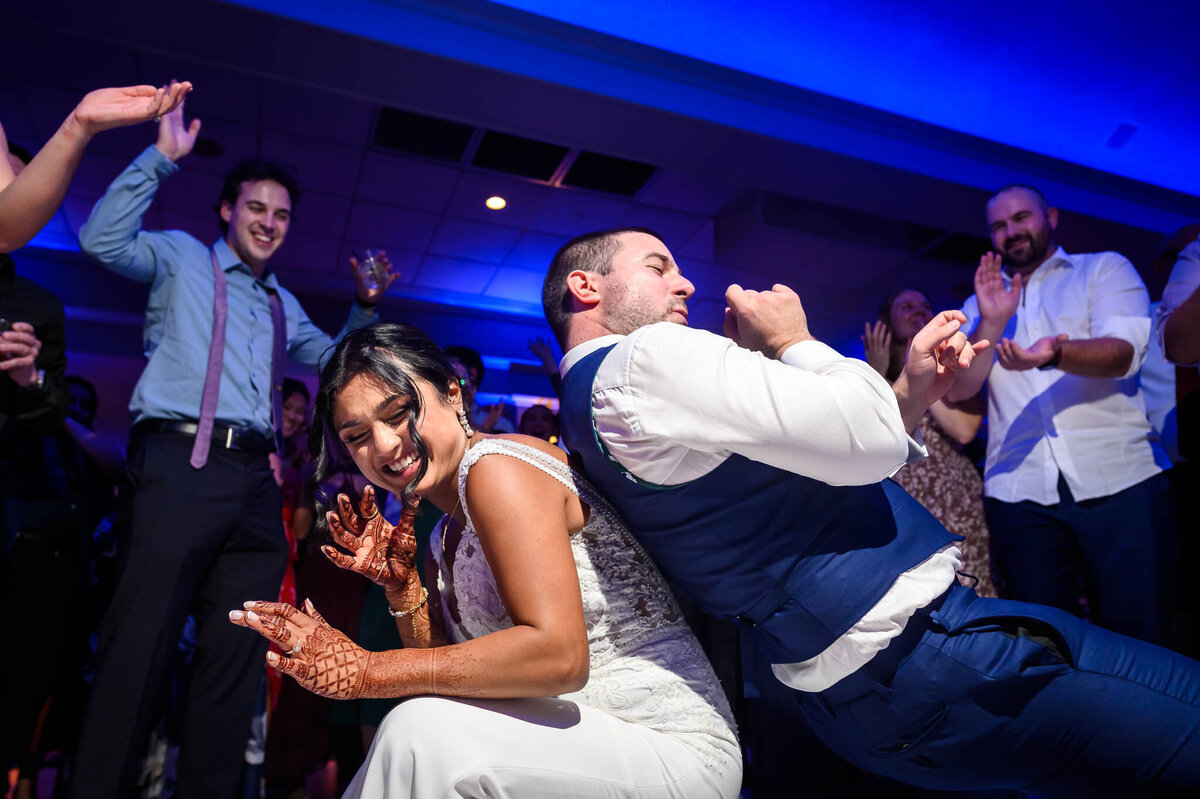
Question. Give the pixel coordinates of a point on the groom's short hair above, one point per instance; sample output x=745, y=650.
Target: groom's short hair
x=591, y=252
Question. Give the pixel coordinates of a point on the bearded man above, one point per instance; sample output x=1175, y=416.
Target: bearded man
x=1075, y=495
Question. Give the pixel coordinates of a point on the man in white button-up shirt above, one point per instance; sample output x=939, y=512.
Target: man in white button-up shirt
x=1074, y=489
x=1179, y=312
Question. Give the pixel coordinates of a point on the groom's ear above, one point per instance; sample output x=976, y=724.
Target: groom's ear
x=586, y=287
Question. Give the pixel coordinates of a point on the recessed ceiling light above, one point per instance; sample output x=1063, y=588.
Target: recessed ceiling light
x=495, y=203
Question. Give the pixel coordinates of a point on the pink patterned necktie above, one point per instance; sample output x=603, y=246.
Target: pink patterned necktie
x=212, y=377
x=216, y=354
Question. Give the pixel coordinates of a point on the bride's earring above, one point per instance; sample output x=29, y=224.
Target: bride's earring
x=465, y=422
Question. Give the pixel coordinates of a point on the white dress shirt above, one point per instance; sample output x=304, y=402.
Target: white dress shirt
x=1091, y=429
x=671, y=404
x=1185, y=278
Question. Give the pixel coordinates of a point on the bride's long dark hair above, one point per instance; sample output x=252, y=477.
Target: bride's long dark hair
x=395, y=355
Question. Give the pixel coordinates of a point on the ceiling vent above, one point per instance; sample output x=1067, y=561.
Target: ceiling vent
x=422, y=135
x=608, y=174
x=516, y=155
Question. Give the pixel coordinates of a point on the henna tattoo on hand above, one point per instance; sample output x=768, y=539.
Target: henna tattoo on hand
x=330, y=664
x=383, y=553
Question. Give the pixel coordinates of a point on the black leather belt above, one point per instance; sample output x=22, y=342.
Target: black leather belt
x=239, y=439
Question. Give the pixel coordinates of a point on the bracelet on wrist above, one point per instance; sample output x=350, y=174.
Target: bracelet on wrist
x=411, y=612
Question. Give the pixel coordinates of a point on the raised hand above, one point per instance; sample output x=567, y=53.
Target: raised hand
x=128, y=105
x=19, y=348
x=365, y=293
x=382, y=553
x=1015, y=358
x=937, y=353
x=541, y=348
x=175, y=140
x=996, y=303
x=877, y=346
x=494, y=412
x=765, y=321
x=319, y=657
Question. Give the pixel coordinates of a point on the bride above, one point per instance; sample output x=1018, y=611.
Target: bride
x=545, y=655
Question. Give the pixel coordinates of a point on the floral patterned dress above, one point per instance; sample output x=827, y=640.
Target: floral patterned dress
x=950, y=488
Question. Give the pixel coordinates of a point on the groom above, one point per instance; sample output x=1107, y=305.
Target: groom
x=750, y=468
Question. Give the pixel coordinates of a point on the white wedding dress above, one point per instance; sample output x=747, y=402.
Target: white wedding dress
x=652, y=720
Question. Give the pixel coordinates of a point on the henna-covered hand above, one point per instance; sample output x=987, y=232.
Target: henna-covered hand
x=327, y=662
x=383, y=553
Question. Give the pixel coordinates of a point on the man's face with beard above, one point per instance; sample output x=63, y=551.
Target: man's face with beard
x=644, y=286
x=1021, y=228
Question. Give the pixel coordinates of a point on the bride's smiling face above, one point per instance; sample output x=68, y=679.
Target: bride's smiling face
x=372, y=420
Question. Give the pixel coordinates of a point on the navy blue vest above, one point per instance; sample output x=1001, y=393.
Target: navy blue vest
x=800, y=560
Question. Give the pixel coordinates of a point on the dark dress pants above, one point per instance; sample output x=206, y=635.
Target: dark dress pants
x=993, y=693
x=202, y=541
x=1121, y=549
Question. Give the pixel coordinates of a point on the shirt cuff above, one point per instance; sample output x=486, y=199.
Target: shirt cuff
x=810, y=355
x=1131, y=329
x=155, y=164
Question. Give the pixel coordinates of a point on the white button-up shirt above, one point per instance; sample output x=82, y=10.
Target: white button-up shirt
x=671, y=404
x=1185, y=278
x=1040, y=423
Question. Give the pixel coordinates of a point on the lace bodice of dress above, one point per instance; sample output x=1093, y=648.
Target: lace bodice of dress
x=645, y=663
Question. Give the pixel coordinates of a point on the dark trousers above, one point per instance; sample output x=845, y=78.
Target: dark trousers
x=1120, y=550
x=992, y=693
x=202, y=541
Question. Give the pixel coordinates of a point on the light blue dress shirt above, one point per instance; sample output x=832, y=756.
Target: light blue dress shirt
x=179, y=313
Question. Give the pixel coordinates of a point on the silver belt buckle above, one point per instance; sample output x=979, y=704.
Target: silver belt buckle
x=228, y=438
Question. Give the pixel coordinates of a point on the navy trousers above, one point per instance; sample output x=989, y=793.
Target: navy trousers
x=1121, y=549
x=991, y=693
x=202, y=541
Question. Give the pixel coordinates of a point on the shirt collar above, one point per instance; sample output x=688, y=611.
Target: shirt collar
x=1058, y=258
x=228, y=261
x=585, y=349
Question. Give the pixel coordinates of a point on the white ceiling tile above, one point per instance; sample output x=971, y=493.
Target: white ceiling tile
x=524, y=199
x=571, y=212
x=477, y=241
x=317, y=114
x=517, y=284
x=450, y=274
x=407, y=182
x=534, y=251
x=687, y=191
x=319, y=166
x=321, y=214
x=389, y=226
x=675, y=227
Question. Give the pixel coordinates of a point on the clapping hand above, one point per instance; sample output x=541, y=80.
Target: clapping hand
x=996, y=302
x=383, y=553
x=1015, y=358
x=877, y=346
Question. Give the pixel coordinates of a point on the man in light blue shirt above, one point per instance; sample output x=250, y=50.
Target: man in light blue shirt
x=205, y=533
